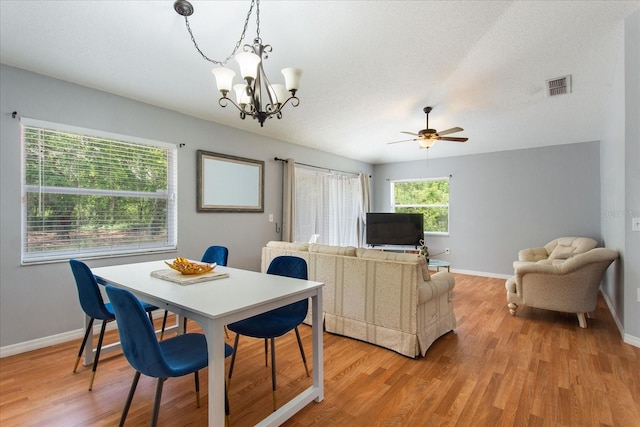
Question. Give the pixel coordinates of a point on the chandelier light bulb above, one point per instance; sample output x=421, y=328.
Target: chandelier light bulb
x=248, y=63
x=242, y=97
x=292, y=78
x=278, y=93
x=224, y=78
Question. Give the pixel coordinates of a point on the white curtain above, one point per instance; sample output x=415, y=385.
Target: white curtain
x=288, y=200
x=329, y=205
x=365, y=206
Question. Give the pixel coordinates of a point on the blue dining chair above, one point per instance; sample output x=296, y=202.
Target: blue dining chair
x=277, y=322
x=94, y=306
x=177, y=356
x=215, y=253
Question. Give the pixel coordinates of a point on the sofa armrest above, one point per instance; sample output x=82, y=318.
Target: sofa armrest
x=439, y=284
x=532, y=254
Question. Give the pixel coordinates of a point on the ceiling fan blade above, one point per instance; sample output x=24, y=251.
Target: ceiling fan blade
x=404, y=140
x=454, y=139
x=448, y=131
x=410, y=133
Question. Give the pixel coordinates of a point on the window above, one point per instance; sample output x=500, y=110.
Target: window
x=327, y=204
x=87, y=193
x=427, y=196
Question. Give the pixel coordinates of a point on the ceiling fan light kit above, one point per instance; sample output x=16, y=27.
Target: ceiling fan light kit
x=256, y=97
x=427, y=137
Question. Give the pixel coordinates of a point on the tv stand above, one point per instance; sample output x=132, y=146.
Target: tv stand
x=406, y=249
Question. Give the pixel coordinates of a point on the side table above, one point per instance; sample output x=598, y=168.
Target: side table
x=436, y=264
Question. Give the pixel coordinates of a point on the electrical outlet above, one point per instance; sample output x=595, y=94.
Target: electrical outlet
x=447, y=251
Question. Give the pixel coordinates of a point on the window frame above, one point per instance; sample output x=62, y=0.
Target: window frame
x=170, y=220
x=393, y=205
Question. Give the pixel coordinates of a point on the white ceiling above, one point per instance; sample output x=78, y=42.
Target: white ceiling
x=369, y=66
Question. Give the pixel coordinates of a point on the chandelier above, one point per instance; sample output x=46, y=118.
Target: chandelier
x=256, y=96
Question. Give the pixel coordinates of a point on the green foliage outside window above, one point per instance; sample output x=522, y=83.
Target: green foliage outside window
x=93, y=195
x=429, y=197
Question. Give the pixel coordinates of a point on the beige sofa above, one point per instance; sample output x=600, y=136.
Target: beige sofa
x=384, y=298
x=570, y=286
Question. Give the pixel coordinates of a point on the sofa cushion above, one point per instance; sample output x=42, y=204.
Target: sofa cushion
x=395, y=256
x=562, y=252
x=332, y=250
x=289, y=246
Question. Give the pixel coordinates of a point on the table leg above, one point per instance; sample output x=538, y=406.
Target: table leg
x=214, y=331
x=318, y=350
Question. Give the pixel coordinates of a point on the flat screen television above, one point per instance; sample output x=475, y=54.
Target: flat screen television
x=405, y=229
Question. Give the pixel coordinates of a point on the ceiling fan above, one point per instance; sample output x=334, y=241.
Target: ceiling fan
x=427, y=137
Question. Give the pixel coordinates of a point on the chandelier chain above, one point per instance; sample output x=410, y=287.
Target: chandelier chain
x=238, y=43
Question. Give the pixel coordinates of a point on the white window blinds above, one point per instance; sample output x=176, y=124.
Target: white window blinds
x=91, y=194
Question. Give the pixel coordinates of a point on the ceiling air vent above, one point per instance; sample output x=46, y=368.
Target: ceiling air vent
x=559, y=86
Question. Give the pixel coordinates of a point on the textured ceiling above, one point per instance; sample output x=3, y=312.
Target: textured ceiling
x=369, y=66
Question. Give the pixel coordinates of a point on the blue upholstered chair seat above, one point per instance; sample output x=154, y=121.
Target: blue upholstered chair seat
x=273, y=323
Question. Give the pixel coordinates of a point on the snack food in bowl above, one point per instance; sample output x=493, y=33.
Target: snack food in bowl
x=185, y=266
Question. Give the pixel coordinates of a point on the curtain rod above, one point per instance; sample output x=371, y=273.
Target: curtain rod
x=317, y=167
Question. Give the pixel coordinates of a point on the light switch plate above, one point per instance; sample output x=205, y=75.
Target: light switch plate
x=635, y=224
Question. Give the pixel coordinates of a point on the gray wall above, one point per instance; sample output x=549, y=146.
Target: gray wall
x=503, y=202
x=40, y=301
x=632, y=178
x=620, y=191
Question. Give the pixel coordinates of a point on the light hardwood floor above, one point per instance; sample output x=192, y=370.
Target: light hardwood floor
x=535, y=369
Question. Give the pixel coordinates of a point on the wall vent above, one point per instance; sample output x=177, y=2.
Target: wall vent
x=559, y=86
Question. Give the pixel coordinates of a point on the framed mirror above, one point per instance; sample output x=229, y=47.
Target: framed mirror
x=229, y=183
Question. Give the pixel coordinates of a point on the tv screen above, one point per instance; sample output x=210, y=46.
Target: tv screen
x=394, y=229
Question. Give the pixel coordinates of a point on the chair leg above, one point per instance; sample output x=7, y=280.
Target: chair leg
x=273, y=372
x=164, y=324
x=513, y=307
x=233, y=356
x=197, y=377
x=185, y=325
x=266, y=352
x=97, y=358
x=127, y=405
x=84, y=343
x=304, y=359
x=156, y=403
x=582, y=320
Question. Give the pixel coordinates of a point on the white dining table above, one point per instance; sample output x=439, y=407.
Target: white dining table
x=213, y=304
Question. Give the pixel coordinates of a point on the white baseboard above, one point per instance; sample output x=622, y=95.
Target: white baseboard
x=482, y=274
x=631, y=340
x=23, y=347
x=613, y=312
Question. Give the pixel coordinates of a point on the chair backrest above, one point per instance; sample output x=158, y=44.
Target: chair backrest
x=296, y=267
x=88, y=291
x=137, y=337
x=217, y=254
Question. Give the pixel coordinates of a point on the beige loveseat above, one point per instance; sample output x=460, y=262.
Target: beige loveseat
x=384, y=298
x=570, y=286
